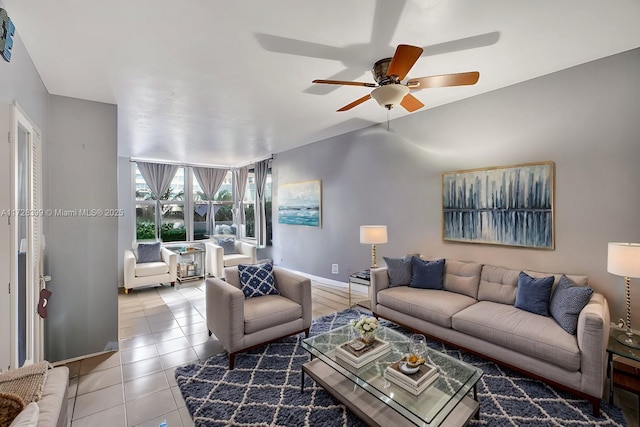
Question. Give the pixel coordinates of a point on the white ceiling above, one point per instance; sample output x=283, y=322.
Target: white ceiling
x=228, y=82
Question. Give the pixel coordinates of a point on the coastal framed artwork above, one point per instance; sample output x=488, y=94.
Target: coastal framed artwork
x=300, y=203
x=502, y=205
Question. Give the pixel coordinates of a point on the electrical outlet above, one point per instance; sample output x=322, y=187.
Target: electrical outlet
x=334, y=269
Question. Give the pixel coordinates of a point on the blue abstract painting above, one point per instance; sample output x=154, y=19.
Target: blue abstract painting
x=510, y=205
x=300, y=203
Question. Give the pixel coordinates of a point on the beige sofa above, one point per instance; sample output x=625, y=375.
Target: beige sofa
x=51, y=409
x=475, y=312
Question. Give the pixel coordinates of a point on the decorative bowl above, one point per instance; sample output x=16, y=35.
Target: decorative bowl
x=407, y=369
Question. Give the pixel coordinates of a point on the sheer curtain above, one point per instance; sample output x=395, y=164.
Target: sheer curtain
x=158, y=177
x=210, y=180
x=261, y=170
x=240, y=180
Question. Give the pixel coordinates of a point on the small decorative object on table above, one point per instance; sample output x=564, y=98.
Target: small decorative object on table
x=366, y=327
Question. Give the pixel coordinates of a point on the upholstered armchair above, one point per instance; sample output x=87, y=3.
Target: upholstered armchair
x=241, y=324
x=234, y=253
x=149, y=269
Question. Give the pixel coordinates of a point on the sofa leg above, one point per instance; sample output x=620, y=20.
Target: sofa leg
x=210, y=333
x=595, y=402
x=232, y=360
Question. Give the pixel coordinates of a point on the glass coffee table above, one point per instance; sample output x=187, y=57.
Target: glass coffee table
x=377, y=401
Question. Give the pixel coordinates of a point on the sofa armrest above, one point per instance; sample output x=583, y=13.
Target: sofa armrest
x=129, y=267
x=378, y=281
x=170, y=258
x=214, y=255
x=296, y=288
x=225, y=313
x=593, y=338
x=247, y=249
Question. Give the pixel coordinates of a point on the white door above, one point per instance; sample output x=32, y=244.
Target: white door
x=26, y=241
x=6, y=343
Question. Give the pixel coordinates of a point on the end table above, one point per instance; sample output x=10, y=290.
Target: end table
x=361, y=278
x=622, y=375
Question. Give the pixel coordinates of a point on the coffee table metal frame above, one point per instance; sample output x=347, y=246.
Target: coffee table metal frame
x=376, y=400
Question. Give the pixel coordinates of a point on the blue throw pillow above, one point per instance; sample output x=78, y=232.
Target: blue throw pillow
x=533, y=294
x=149, y=252
x=427, y=274
x=228, y=245
x=399, y=270
x=567, y=302
x=257, y=280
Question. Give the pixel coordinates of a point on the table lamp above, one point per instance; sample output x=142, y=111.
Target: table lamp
x=624, y=260
x=373, y=234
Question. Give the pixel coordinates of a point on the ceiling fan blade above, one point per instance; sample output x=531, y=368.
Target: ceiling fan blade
x=444, y=80
x=340, y=82
x=355, y=103
x=403, y=60
x=411, y=103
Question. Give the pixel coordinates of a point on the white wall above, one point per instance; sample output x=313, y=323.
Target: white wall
x=585, y=119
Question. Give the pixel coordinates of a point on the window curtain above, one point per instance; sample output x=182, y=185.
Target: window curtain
x=158, y=177
x=210, y=180
x=240, y=180
x=261, y=170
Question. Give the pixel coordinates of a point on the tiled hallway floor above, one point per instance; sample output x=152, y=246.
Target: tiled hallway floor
x=159, y=329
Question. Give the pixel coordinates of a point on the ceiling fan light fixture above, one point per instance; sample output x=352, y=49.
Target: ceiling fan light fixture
x=388, y=96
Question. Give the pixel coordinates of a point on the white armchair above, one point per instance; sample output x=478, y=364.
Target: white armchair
x=149, y=273
x=217, y=260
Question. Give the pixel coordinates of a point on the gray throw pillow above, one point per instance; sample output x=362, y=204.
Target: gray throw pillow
x=228, y=245
x=149, y=252
x=567, y=302
x=399, y=270
x=427, y=274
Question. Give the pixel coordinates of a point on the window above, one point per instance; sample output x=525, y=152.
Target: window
x=250, y=206
x=222, y=207
x=171, y=221
x=185, y=194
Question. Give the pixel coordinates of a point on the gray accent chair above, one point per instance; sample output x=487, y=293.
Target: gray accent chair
x=242, y=324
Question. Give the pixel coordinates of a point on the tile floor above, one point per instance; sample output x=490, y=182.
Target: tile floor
x=159, y=329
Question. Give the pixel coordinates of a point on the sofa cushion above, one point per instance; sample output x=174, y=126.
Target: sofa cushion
x=521, y=331
x=432, y=305
x=567, y=302
x=257, y=280
x=269, y=310
x=533, y=294
x=228, y=245
x=461, y=277
x=28, y=417
x=236, y=259
x=427, y=274
x=149, y=252
x=151, y=269
x=498, y=284
x=399, y=270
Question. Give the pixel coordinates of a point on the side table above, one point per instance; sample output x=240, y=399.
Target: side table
x=190, y=262
x=361, y=278
x=622, y=375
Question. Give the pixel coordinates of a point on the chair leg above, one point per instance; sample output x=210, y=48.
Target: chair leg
x=127, y=290
x=173, y=283
x=306, y=333
x=210, y=333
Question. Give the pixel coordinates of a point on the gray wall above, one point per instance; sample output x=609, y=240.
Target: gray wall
x=585, y=119
x=82, y=251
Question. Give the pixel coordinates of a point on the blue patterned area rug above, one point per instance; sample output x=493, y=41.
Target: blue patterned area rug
x=264, y=390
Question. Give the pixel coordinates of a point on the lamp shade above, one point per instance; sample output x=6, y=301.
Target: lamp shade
x=373, y=234
x=623, y=259
x=390, y=95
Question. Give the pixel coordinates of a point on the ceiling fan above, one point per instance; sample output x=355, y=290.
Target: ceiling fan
x=389, y=72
